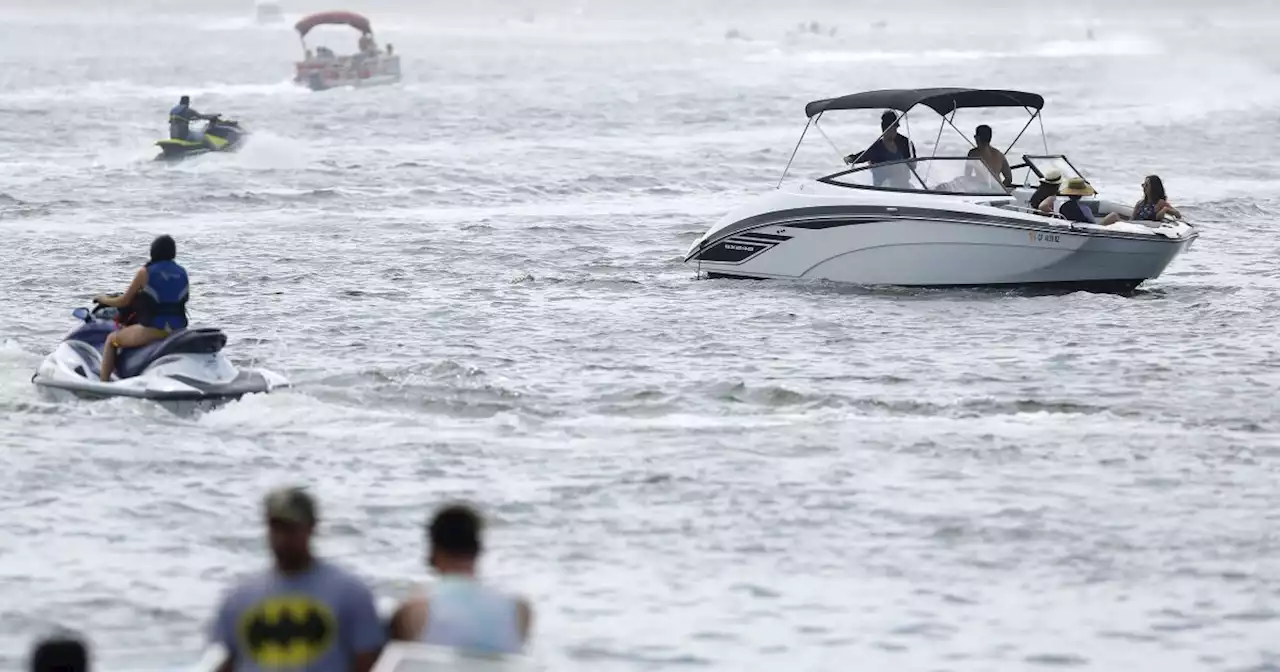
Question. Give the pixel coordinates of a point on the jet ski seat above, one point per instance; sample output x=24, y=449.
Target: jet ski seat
x=94, y=333
x=132, y=361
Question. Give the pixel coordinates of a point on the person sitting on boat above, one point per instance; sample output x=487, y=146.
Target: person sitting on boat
x=891, y=146
x=1048, y=187
x=992, y=158
x=1070, y=207
x=158, y=294
x=366, y=45
x=324, y=52
x=461, y=612
x=180, y=118
x=1154, y=204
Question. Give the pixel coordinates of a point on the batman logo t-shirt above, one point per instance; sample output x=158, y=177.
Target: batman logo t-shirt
x=316, y=621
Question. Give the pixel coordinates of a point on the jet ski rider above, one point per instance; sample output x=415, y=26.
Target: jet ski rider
x=180, y=118
x=158, y=295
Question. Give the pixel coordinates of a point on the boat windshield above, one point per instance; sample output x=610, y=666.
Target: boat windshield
x=1043, y=164
x=934, y=175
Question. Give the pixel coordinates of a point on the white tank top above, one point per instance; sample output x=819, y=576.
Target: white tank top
x=463, y=613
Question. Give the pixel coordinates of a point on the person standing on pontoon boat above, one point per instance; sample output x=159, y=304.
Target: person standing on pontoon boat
x=891, y=146
x=304, y=613
x=992, y=158
x=460, y=611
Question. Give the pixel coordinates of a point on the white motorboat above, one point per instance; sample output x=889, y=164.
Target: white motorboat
x=323, y=69
x=940, y=221
x=188, y=366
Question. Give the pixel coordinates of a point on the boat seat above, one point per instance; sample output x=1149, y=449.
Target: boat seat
x=132, y=361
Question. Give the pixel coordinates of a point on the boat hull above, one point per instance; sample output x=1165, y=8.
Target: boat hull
x=353, y=71
x=958, y=244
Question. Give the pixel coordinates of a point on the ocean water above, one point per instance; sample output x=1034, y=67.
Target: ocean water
x=474, y=279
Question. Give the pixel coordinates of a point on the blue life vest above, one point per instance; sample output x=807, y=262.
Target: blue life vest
x=162, y=304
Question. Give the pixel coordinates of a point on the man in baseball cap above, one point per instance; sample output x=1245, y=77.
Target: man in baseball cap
x=302, y=613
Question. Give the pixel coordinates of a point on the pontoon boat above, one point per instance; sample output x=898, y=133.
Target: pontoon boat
x=370, y=66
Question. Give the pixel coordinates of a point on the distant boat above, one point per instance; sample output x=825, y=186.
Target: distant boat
x=269, y=12
x=369, y=66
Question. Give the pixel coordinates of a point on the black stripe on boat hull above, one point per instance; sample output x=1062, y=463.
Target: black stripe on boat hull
x=767, y=237
x=1066, y=286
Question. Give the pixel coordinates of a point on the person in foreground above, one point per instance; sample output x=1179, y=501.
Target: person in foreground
x=180, y=118
x=60, y=654
x=158, y=298
x=1049, y=185
x=1071, y=207
x=1154, y=204
x=461, y=612
x=303, y=613
x=992, y=158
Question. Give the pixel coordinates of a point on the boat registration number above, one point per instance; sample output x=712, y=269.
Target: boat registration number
x=1038, y=237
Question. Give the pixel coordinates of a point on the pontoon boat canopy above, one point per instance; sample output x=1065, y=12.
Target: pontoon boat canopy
x=941, y=101
x=333, y=18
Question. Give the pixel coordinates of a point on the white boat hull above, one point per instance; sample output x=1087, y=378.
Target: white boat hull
x=831, y=233
x=322, y=74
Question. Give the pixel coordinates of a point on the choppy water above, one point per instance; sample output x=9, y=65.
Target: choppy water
x=474, y=278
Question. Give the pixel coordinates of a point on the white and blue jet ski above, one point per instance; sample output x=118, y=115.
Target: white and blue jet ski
x=188, y=366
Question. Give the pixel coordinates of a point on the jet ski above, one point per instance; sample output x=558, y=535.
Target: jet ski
x=219, y=135
x=189, y=365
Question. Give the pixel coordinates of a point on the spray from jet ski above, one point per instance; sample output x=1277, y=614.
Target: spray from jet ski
x=187, y=366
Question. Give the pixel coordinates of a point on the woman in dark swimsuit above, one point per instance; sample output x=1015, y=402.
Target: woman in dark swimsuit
x=1154, y=204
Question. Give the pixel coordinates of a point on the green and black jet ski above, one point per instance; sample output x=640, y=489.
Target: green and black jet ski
x=219, y=135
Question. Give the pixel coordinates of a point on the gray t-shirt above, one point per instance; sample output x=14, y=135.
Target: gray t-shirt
x=317, y=621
